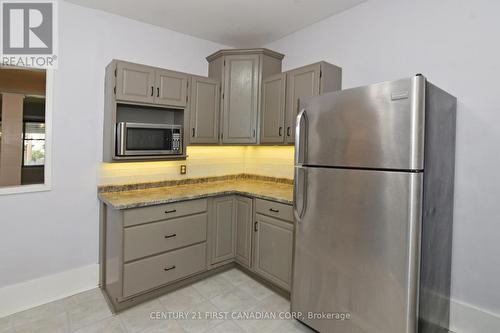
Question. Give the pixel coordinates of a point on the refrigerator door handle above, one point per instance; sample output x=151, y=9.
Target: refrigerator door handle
x=300, y=192
x=301, y=149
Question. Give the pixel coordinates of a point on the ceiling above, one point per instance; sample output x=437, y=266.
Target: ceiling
x=236, y=23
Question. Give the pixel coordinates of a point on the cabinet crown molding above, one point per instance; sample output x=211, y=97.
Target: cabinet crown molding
x=264, y=51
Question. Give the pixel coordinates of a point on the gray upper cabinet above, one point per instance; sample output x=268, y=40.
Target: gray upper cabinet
x=135, y=83
x=243, y=216
x=222, y=230
x=308, y=81
x=240, y=99
x=143, y=84
x=204, y=113
x=171, y=88
x=273, y=248
x=272, y=127
x=241, y=72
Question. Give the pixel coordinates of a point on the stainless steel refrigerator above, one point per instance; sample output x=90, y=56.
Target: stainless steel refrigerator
x=374, y=208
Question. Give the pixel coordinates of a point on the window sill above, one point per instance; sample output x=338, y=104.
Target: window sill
x=24, y=189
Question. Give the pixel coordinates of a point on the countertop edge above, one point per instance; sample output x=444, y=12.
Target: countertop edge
x=193, y=197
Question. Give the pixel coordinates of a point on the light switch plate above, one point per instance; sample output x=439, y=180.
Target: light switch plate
x=183, y=169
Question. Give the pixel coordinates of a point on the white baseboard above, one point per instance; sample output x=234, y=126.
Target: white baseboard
x=465, y=318
x=25, y=295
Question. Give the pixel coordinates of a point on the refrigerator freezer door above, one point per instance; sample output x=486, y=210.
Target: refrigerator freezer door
x=357, y=249
x=380, y=126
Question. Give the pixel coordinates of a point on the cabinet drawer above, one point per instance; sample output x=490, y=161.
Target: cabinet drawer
x=153, y=272
x=274, y=209
x=152, y=238
x=161, y=212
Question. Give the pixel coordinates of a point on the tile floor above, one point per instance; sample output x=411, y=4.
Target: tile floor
x=230, y=291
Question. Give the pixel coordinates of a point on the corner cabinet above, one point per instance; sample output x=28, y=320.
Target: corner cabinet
x=281, y=95
x=243, y=216
x=222, y=230
x=241, y=73
x=204, y=113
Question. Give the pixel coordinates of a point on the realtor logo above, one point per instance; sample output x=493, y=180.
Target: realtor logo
x=28, y=33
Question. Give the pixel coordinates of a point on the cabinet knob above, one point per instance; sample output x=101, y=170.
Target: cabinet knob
x=152, y=91
x=255, y=226
x=280, y=130
x=274, y=210
x=158, y=92
x=170, y=236
x=192, y=132
x=170, y=211
x=288, y=131
x=169, y=268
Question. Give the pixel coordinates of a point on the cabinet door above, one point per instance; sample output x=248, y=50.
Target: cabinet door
x=241, y=97
x=204, y=118
x=243, y=216
x=301, y=82
x=171, y=88
x=273, y=109
x=223, y=230
x=134, y=83
x=273, y=244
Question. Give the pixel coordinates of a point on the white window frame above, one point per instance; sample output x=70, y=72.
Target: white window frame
x=49, y=104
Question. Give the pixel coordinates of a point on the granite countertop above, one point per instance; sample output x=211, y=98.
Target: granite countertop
x=264, y=189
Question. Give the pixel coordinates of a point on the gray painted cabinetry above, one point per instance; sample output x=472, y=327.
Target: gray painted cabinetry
x=205, y=105
x=273, y=242
x=272, y=128
x=223, y=230
x=143, y=94
x=243, y=216
x=150, y=250
x=281, y=94
x=241, y=72
x=144, y=84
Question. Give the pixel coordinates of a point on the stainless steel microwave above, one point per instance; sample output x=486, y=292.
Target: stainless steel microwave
x=140, y=139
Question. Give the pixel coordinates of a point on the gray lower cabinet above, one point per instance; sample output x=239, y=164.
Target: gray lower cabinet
x=243, y=216
x=145, y=250
x=222, y=230
x=204, y=110
x=146, y=274
x=273, y=244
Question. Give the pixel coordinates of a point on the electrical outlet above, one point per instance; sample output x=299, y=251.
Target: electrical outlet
x=183, y=169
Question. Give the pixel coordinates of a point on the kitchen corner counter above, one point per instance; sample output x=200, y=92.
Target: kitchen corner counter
x=258, y=187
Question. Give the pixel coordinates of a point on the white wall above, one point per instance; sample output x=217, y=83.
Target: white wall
x=455, y=44
x=204, y=161
x=50, y=232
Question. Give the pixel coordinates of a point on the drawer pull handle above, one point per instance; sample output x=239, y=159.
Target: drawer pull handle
x=170, y=211
x=274, y=210
x=169, y=268
x=170, y=236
